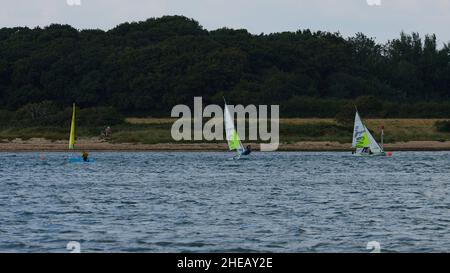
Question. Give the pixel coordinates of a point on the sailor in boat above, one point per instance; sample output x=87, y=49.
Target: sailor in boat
x=367, y=150
x=85, y=156
x=247, y=150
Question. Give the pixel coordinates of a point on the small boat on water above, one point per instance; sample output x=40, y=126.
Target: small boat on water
x=363, y=141
x=234, y=142
x=76, y=159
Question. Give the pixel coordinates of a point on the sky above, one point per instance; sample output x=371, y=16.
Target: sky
x=381, y=19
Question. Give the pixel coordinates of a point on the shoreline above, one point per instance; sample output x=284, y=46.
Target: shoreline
x=42, y=145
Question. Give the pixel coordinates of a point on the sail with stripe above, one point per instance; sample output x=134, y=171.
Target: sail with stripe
x=234, y=142
x=363, y=141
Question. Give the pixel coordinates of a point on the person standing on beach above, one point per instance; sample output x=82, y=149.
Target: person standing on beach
x=108, y=131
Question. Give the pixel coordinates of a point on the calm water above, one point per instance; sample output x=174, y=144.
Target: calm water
x=203, y=202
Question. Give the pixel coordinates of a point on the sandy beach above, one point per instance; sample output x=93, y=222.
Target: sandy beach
x=94, y=144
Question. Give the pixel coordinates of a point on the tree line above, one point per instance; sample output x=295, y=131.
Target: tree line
x=146, y=68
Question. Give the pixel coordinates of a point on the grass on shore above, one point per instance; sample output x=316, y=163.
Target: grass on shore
x=157, y=130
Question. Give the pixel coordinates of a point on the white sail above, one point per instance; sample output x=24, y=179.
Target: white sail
x=358, y=130
x=234, y=143
x=374, y=147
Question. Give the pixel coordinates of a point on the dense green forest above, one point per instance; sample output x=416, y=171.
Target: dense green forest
x=145, y=68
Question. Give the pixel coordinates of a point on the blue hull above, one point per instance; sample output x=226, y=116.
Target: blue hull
x=80, y=160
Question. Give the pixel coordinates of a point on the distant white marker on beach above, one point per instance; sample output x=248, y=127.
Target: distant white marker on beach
x=374, y=2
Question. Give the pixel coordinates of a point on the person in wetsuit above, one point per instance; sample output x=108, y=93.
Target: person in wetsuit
x=367, y=150
x=85, y=156
x=247, y=150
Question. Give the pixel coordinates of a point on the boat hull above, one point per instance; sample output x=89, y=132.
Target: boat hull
x=80, y=160
x=370, y=155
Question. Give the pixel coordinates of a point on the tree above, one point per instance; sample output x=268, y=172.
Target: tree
x=145, y=68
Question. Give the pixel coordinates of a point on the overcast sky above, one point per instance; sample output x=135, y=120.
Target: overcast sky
x=383, y=21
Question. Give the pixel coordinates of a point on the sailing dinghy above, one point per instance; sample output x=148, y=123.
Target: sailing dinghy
x=363, y=141
x=234, y=142
x=76, y=159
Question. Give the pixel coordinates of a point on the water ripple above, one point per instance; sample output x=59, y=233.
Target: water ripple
x=204, y=202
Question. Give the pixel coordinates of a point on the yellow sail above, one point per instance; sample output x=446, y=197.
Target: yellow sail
x=72, y=130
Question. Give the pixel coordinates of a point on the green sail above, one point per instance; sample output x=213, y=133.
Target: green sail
x=363, y=141
x=234, y=142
